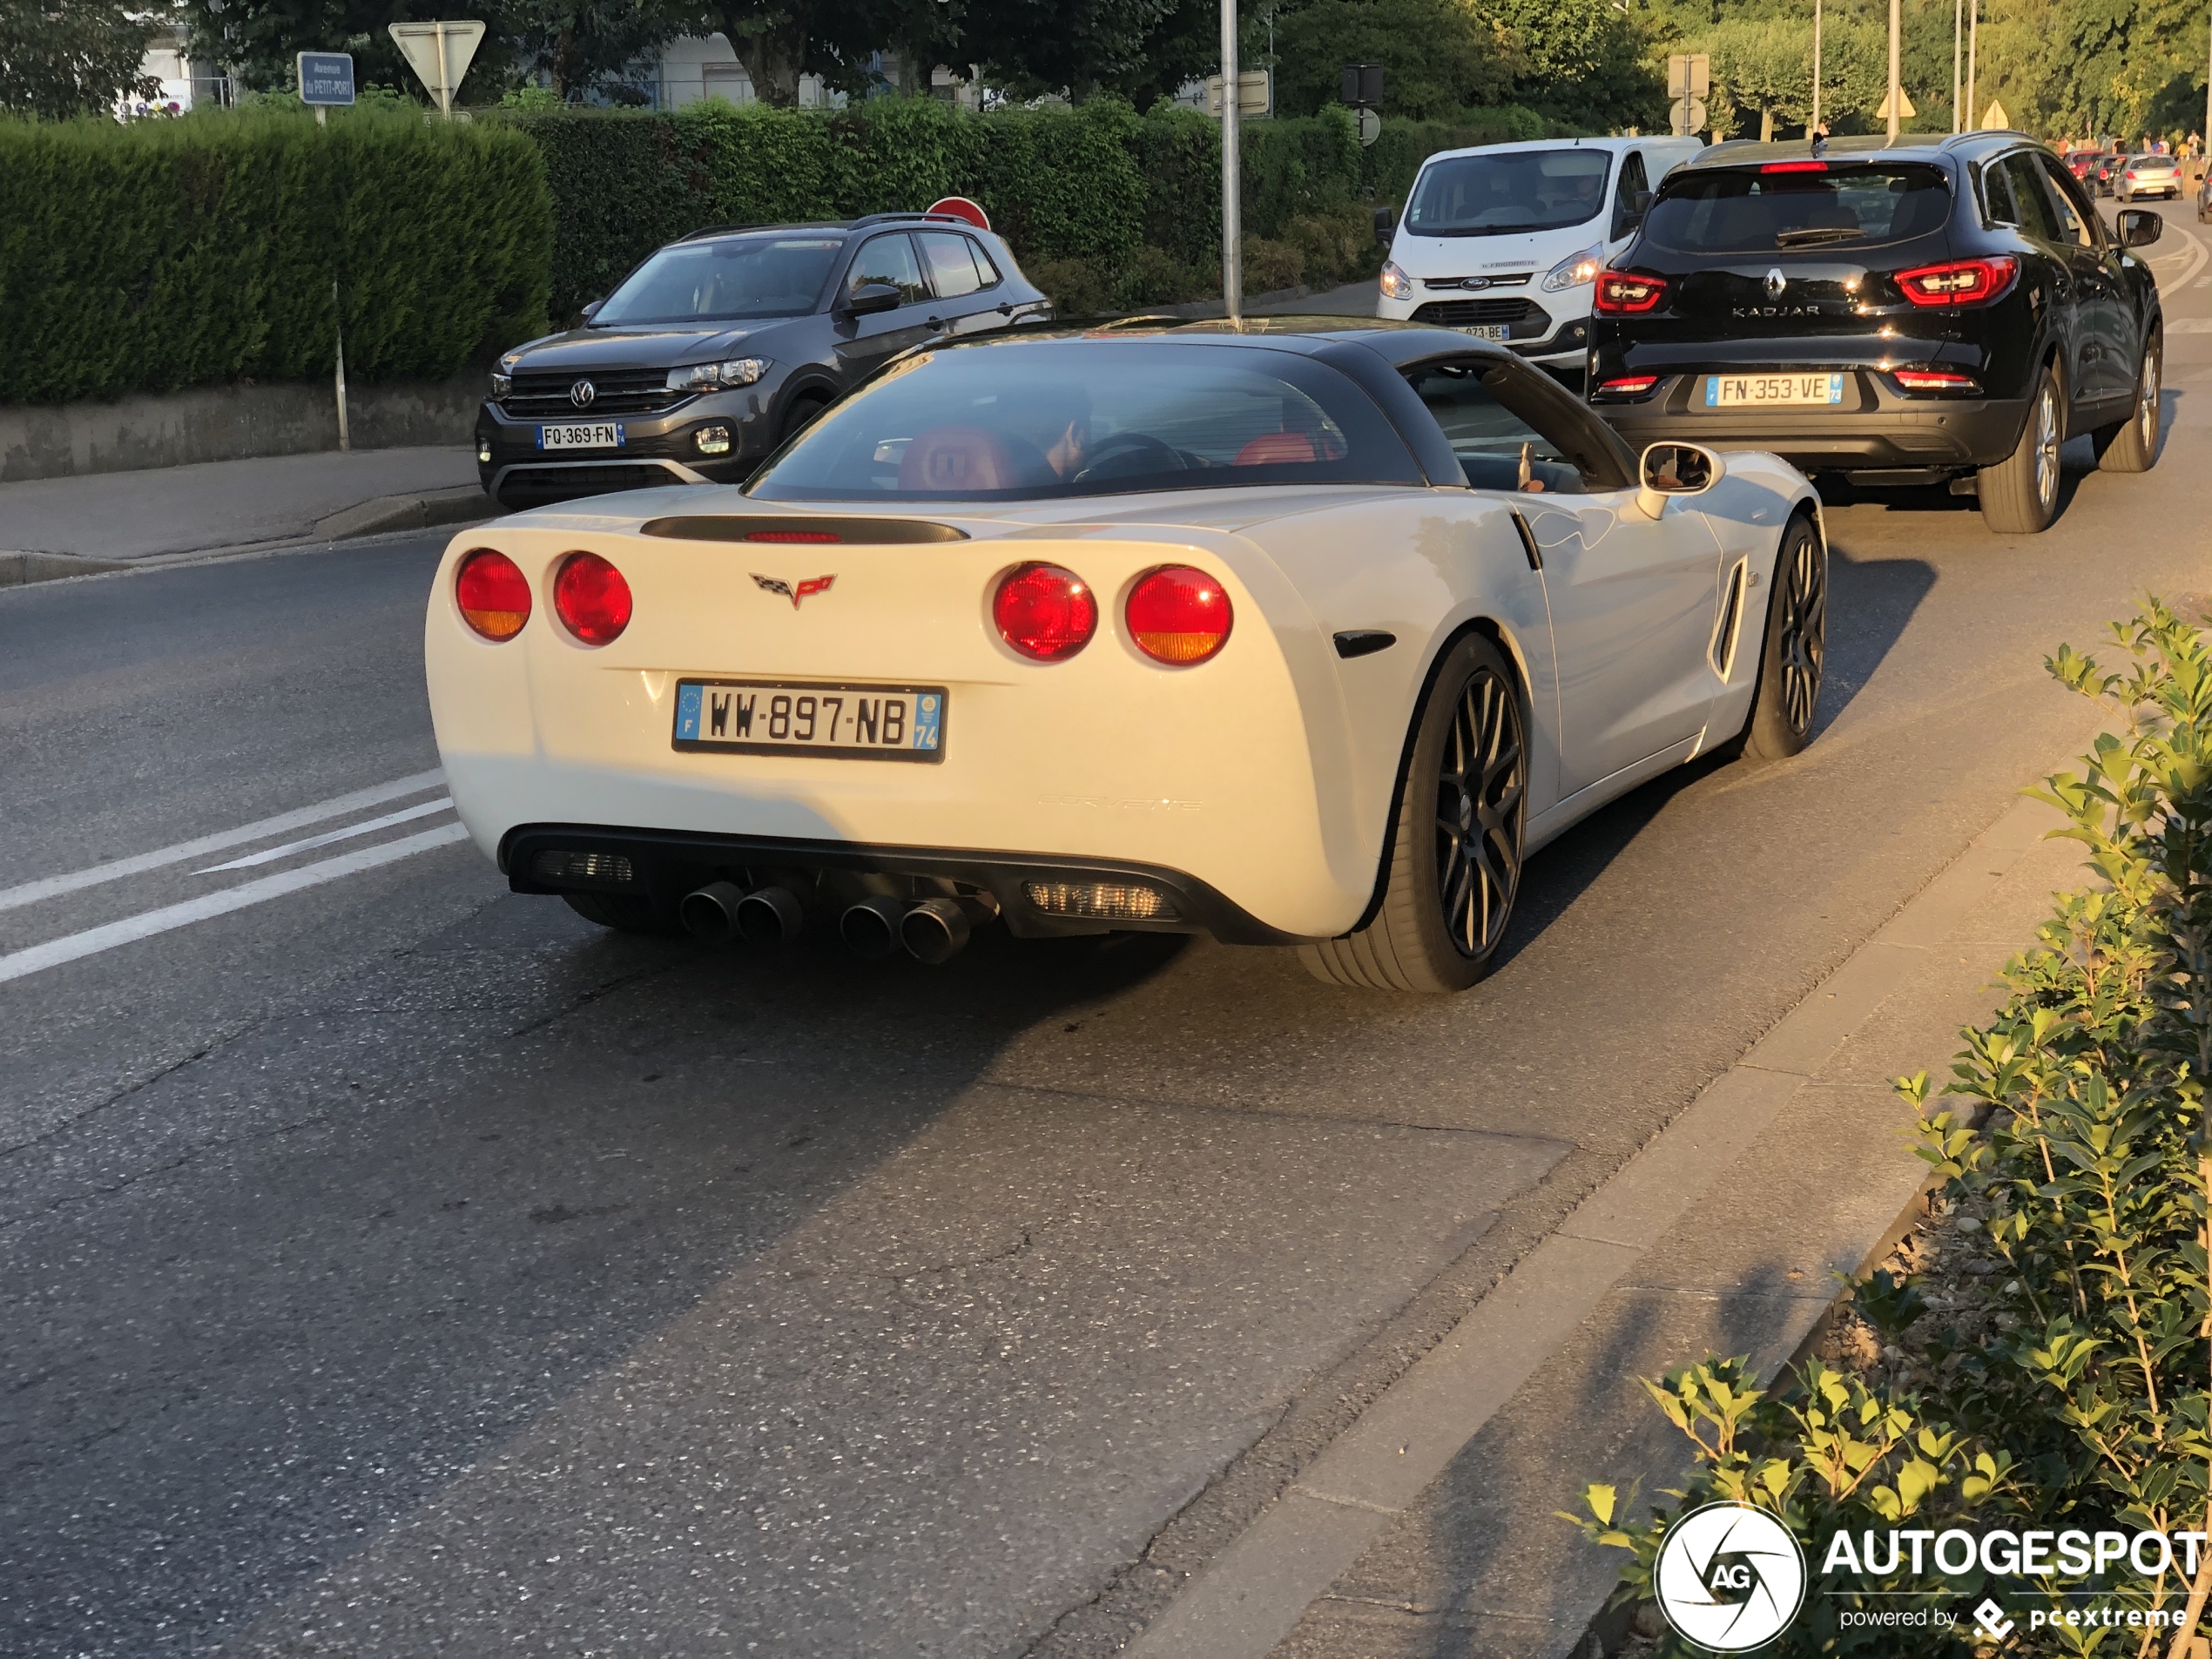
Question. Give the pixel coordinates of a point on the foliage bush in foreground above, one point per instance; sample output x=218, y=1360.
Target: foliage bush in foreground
x=165, y=254
x=2083, y=1403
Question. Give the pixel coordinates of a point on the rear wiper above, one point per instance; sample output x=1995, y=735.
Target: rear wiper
x=1819, y=233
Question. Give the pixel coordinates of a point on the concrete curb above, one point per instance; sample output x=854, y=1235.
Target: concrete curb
x=380, y=517
x=1259, y=1587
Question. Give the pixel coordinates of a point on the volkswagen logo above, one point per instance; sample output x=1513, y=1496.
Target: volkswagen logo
x=1475, y=283
x=1775, y=283
x=583, y=391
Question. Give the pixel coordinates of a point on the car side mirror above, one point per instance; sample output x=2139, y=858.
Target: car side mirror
x=870, y=298
x=1385, y=226
x=591, y=309
x=2140, y=227
x=1672, y=470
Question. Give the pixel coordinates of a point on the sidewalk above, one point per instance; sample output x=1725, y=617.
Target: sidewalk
x=109, y=521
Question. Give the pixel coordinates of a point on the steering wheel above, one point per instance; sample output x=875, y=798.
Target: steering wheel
x=1147, y=453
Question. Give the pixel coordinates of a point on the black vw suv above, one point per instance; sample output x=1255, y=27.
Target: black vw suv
x=718, y=347
x=1950, y=309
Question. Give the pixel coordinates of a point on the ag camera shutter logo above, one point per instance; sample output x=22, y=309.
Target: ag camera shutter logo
x=1730, y=1577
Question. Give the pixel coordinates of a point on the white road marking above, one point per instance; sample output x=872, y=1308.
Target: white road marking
x=115, y=869
x=2188, y=325
x=35, y=958
x=365, y=827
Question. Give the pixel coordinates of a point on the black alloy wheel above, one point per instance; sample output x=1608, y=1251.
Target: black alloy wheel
x=1790, y=658
x=1453, y=864
x=1478, y=815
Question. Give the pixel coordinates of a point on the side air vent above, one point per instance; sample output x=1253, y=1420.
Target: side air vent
x=776, y=527
x=1727, y=630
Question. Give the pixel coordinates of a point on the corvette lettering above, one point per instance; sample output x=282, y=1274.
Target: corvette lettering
x=778, y=585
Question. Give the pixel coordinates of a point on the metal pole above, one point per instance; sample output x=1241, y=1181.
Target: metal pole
x=1232, y=228
x=1973, y=36
x=1896, y=29
x=345, y=439
x=1813, y=127
x=1958, y=46
x=2208, y=104
x=445, y=92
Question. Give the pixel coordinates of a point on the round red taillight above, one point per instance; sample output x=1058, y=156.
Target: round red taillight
x=591, y=598
x=494, y=597
x=1045, y=613
x=1178, y=615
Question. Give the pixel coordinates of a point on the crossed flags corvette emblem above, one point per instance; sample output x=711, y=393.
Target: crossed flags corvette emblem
x=777, y=584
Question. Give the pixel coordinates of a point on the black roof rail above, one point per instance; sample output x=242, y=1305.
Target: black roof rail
x=2006, y=133
x=732, y=230
x=934, y=218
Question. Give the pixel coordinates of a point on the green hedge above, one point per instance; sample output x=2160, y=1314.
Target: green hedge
x=165, y=254
x=1096, y=184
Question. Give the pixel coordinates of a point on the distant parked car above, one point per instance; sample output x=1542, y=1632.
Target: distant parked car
x=2143, y=176
x=2107, y=173
x=718, y=347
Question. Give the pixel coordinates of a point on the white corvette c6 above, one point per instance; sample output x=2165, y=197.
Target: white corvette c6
x=1305, y=633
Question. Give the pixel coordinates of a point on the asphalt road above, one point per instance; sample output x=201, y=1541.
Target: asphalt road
x=392, y=1266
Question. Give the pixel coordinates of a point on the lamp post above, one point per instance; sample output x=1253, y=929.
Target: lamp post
x=1973, y=32
x=1957, y=44
x=1813, y=127
x=1232, y=231
x=1896, y=29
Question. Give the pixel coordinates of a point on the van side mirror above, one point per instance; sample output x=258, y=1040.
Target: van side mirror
x=870, y=298
x=591, y=309
x=1671, y=469
x=2140, y=227
x=1385, y=226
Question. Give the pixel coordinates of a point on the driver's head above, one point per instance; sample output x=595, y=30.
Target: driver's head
x=1054, y=417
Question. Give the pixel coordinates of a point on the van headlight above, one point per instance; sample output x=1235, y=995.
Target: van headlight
x=713, y=377
x=1575, y=270
x=1396, y=285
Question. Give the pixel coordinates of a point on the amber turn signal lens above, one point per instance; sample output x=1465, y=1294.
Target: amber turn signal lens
x=591, y=598
x=1178, y=615
x=494, y=597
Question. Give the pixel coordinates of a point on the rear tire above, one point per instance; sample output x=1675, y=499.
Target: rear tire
x=1796, y=645
x=624, y=912
x=1455, y=848
x=2020, y=494
x=2132, y=446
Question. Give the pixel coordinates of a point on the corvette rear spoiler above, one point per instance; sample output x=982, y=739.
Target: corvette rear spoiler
x=773, y=528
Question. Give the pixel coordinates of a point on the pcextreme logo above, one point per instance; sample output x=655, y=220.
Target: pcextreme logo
x=1730, y=1577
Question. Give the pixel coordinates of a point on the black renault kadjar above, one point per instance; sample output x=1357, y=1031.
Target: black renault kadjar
x=1900, y=314
x=718, y=347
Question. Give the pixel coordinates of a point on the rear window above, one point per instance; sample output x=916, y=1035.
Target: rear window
x=1778, y=212
x=1033, y=420
x=1510, y=193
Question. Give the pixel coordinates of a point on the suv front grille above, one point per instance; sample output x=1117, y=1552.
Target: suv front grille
x=1524, y=318
x=618, y=391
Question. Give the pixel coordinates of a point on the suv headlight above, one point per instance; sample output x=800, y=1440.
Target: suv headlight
x=1396, y=285
x=712, y=377
x=502, y=384
x=1575, y=270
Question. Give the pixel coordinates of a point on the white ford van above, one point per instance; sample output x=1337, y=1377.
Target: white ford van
x=1503, y=241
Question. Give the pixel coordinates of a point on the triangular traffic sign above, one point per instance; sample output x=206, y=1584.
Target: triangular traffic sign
x=439, y=53
x=1905, y=114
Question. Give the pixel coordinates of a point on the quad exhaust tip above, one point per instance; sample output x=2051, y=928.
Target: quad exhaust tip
x=770, y=916
x=871, y=927
x=934, y=931
x=711, y=914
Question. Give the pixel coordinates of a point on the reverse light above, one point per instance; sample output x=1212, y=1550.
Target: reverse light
x=1627, y=386
x=1100, y=901
x=1396, y=285
x=1960, y=282
x=1575, y=270
x=1178, y=615
x=1625, y=293
x=1046, y=612
x=591, y=598
x=1933, y=379
x=709, y=377
x=494, y=597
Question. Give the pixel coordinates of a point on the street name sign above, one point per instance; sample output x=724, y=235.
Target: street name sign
x=326, y=79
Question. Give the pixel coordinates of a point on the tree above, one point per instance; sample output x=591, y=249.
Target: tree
x=64, y=57
x=1078, y=47
x=1439, y=57
x=583, y=44
x=1582, y=62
